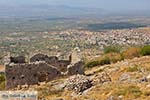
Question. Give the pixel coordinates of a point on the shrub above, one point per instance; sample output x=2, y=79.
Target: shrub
x=135, y=91
x=92, y=64
x=2, y=78
x=111, y=49
x=131, y=53
x=145, y=50
x=2, y=86
x=2, y=82
x=114, y=57
x=133, y=69
x=105, y=60
x=101, y=61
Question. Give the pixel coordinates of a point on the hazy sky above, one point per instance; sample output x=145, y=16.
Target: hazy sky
x=105, y=4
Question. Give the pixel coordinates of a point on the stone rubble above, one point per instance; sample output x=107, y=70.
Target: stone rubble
x=78, y=83
x=101, y=78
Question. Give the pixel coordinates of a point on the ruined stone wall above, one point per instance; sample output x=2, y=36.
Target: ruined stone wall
x=30, y=74
x=19, y=59
x=39, y=57
x=40, y=69
x=61, y=65
x=75, y=68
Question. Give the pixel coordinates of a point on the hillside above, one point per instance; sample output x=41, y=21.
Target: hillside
x=125, y=80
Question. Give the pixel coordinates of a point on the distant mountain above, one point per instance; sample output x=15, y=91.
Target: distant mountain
x=49, y=10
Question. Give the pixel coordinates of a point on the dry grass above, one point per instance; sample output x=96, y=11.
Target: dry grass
x=133, y=68
x=131, y=53
x=114, y=57
x=103, y=92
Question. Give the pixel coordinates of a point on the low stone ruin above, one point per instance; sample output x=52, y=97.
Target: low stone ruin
x=41, y=68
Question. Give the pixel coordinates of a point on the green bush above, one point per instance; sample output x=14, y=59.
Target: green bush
x=2, y=86
x=145, y=50
x=94, y=63
x=105, y=61
x=111, y=49
x=2, y=82
x=2, y=78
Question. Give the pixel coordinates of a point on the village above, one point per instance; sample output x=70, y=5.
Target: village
x=59, y=61
x=62, y=42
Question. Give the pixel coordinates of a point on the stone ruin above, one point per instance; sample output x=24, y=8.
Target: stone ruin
x=40, y=68
x=19, y=59
x=30, y=74
x=75, y=68
x=61, y=65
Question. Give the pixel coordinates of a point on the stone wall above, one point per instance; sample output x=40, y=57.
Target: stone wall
x=61, y=65
x=41, y=68
x=75, y=68
x=30, y=74
x=19, y=59
x=42, y=57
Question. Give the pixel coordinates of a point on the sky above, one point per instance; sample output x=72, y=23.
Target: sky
x=104, y=4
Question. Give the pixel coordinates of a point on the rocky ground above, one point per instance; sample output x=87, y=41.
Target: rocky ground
x=125, y=80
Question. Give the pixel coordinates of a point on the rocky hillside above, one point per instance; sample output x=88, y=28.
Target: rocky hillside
x=125, y=80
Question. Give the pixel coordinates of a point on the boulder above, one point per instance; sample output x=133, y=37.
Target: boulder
x=148, y=78
x=125, y=77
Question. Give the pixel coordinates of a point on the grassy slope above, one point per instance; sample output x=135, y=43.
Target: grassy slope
x=137, y=68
